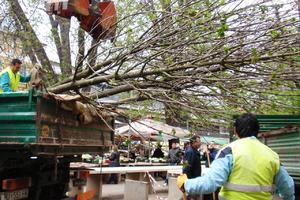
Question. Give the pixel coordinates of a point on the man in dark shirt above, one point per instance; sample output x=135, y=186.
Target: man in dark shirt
x=192, y=163
x=158, y=153
x=115, y=162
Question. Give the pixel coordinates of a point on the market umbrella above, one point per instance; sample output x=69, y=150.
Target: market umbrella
x=151, y=129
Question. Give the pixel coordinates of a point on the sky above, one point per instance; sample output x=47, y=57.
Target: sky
x=41, y=24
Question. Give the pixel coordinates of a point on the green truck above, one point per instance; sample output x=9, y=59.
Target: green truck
x=40, y=134
x=282, y=134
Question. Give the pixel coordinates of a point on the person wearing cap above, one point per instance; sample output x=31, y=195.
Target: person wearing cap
x=11, y=77
x=244, y=169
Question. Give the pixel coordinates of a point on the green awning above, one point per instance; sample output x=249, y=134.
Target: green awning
x=217, y=140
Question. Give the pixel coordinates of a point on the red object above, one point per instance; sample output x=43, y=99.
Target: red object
x=14, y=184
x=107, y=161
x=85, y=195
x=84, y=174
x=108, y=18
x=79, y=7
x=102, y=27
x=69, y=8
x=99, y=22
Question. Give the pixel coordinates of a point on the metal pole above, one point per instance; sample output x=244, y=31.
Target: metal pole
x=129, y=137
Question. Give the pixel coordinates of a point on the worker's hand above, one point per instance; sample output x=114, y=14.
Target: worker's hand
x=180, y=181
x=37, y=83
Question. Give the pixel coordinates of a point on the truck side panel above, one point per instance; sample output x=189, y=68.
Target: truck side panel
x=17, y=118
x=44, y=126
x=61, y=126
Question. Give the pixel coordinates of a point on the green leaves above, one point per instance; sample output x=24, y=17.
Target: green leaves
x=170, y=60
x=275, y=34
x=263, y=9
x=207, y=3
x=273, y=75
x=192, y=13
x=127, y=142
x=173, y=132
x=226, y=49
x=152, y=16
x=223, y=28
x=255, y=56
x=160, y=137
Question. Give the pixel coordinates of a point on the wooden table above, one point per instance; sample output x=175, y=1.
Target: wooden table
x=94, y=180
x=145, y=164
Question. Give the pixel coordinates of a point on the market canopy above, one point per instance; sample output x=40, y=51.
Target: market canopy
x=151, y=129
x=218, y=140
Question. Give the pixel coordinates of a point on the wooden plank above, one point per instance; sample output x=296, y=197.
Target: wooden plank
x=124, y=170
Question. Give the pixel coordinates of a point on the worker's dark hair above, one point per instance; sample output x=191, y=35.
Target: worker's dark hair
x=16, y=61
x=194, y=138
x=247, y=125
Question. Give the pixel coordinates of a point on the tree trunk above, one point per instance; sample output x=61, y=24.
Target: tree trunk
x=298, y=3
x=93, y=54
x=55, y=34
x=25, y=43
x=62, y=43
x=172, y=112
x=91, y=61
x=81, y=49
x=65, y=59
x=32, y=37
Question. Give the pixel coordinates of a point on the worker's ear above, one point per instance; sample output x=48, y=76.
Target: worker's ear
x=235, y=132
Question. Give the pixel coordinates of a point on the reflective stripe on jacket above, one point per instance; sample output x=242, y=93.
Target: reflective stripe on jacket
x=254, y=168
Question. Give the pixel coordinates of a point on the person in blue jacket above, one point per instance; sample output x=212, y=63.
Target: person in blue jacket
x=191, y=159
x=244, y=169
x=115, y=162
x=192, y=162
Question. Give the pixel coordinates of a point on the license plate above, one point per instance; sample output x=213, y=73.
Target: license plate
x=15, y=195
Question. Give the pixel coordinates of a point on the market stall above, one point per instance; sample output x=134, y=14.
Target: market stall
x=143, y=135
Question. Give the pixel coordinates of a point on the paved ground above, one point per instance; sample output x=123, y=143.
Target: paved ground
x=116, y=192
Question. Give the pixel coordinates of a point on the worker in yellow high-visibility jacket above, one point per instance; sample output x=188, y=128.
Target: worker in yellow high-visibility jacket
x=11, y=77
x=246, y=169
